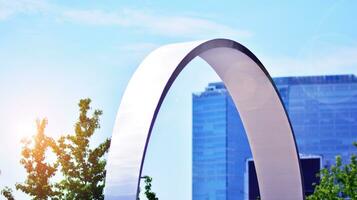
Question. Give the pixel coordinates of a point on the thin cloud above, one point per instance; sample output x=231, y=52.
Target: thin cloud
x=331, y=62
x=165, y=25
x=94, y=17
x=139, y=47
x=10, y=8
x=183, y=26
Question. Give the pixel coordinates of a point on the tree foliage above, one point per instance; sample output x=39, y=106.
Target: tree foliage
x=148, y=193
x=37, y=183
x=338, y=182
x=7, y=193
x=83, y=168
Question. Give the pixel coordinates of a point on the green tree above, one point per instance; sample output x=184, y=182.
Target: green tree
x=148, y=193
x=7, y=193
x=338, y=182
x=83, y=168
x=37, y=183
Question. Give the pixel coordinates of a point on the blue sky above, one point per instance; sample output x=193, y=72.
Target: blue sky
x=52, y=53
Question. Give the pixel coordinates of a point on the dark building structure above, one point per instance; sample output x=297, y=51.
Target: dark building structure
x=323, y=113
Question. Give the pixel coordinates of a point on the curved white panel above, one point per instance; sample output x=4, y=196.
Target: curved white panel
x=264, y=118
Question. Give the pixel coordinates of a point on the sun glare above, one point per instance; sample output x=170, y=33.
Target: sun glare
x=26, y=128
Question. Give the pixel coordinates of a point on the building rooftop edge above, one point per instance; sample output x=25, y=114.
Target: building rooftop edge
x=219, y=87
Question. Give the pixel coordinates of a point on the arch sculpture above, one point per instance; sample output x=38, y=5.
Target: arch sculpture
x=264, y=117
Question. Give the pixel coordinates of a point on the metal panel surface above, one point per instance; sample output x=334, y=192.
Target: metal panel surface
x=263, y=115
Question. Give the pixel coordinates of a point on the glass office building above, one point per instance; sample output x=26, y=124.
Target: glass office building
x=323, y=112
x=219, y=146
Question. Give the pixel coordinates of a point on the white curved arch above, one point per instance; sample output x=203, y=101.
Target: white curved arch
x=264, y=118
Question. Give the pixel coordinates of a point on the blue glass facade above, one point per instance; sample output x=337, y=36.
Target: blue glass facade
x=323, y=113
x=219, y=146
